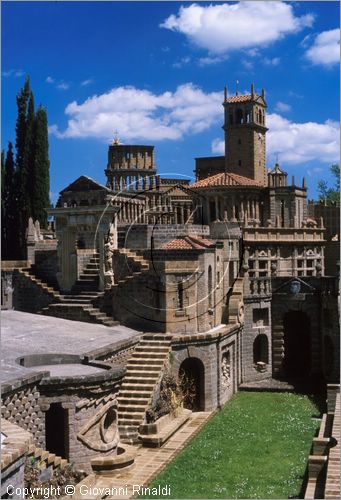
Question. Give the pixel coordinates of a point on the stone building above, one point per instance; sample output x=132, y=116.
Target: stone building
x=225, y=277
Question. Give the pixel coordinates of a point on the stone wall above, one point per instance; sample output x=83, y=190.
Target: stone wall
x=13, y=456
x=21, y=406
x=218, y=354
x=85, y=402
x=141, y=236
x=257, y=322
x=28, y=296
x=46, y=266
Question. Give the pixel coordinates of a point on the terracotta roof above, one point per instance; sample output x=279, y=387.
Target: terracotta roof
x=240, y=98
x=225, y=179
x=187, y=243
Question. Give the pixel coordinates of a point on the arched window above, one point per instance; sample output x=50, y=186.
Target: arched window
x=259, y=116
x=210, y=287
x=239, y=116
x=261, y=349
x=180, y=296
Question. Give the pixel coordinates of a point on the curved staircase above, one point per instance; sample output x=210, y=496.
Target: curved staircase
x=144, y=370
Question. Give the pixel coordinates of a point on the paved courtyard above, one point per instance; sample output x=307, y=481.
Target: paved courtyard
x=24, y=334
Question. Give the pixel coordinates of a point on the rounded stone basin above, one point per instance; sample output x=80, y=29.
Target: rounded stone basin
x=106, y=465
x=61, y=365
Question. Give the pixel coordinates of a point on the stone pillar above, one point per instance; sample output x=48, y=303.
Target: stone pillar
x=216, y=207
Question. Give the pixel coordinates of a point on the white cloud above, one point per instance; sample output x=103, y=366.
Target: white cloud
x=13, y=72
x=274, y=61
x=208, y=61
x=63, y=86
x=49, y=79
x=87, y=82
x=182, y=62
x=282, y=107
x=244, y=25
x=325, y=49
x=302, y=142
x=218, y=147
x=141, y=115
x=297, y=142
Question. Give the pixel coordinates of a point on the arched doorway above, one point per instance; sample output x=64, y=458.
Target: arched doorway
x=56, y=428
x=261, y=349
x=192, y=381
x=297, y=344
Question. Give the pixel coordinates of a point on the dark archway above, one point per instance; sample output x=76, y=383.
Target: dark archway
x=297, y=344
x=261, y=349
x=192, y=380
x=56, y=428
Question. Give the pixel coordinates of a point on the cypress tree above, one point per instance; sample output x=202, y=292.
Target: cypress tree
x=23, y=197
x=3, y=211
x=9, y=226
x=41, y=169
x=26, y=178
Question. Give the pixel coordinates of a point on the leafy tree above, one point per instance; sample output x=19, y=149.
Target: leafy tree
x=41, y=169
x=330, y=195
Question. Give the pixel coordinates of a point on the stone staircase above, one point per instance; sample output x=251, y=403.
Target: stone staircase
x=28, y=273
x=144, y=370
x=129, y=265
x=80, y=303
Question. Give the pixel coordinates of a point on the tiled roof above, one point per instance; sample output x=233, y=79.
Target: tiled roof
x=225, y=179
x=240, y=98
x=187, y=243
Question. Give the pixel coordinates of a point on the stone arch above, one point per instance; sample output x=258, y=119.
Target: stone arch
x=261, y=349
x=192, y=380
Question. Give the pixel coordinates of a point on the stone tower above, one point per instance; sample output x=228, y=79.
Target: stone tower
x=245, y=131
x=130, y=167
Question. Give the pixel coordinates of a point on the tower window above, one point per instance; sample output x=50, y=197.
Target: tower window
x=180, y=296
x=239, y=116
x=240, y=163
x=239, y=141
x=231, y=119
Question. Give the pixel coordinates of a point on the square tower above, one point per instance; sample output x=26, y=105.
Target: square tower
x=245, y=131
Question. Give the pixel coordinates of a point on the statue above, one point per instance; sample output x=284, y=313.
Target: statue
x=225, y=372
x=109, y=248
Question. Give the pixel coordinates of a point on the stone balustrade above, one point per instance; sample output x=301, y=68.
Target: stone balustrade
x=257, y=286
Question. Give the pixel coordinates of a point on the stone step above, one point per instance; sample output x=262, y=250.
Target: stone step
x=146, y=360
x=71, y=300
x=136, y=386
x=129, y=421
x=150, y=349
x=134, y=394
x=143, y=369
x=90, y=272
x=154, y=343
x=157, y=336
x=132, y=409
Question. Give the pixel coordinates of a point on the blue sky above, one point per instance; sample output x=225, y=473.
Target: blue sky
x=155, y=71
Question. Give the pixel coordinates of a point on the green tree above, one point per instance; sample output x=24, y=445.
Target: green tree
x=41, y=169
x=9, y=247
x=330, y=195
x=21, y=145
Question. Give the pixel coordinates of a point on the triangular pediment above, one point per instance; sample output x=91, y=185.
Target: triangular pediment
x=84, y=183
x=293, y=286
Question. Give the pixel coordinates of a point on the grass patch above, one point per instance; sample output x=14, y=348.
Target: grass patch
x=256, y=447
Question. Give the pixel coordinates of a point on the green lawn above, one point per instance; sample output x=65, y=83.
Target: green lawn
x=256, y=447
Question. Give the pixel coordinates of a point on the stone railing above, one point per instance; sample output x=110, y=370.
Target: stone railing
x=257, y=286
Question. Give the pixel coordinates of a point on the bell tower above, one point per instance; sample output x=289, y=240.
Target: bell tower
x=245, y=131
